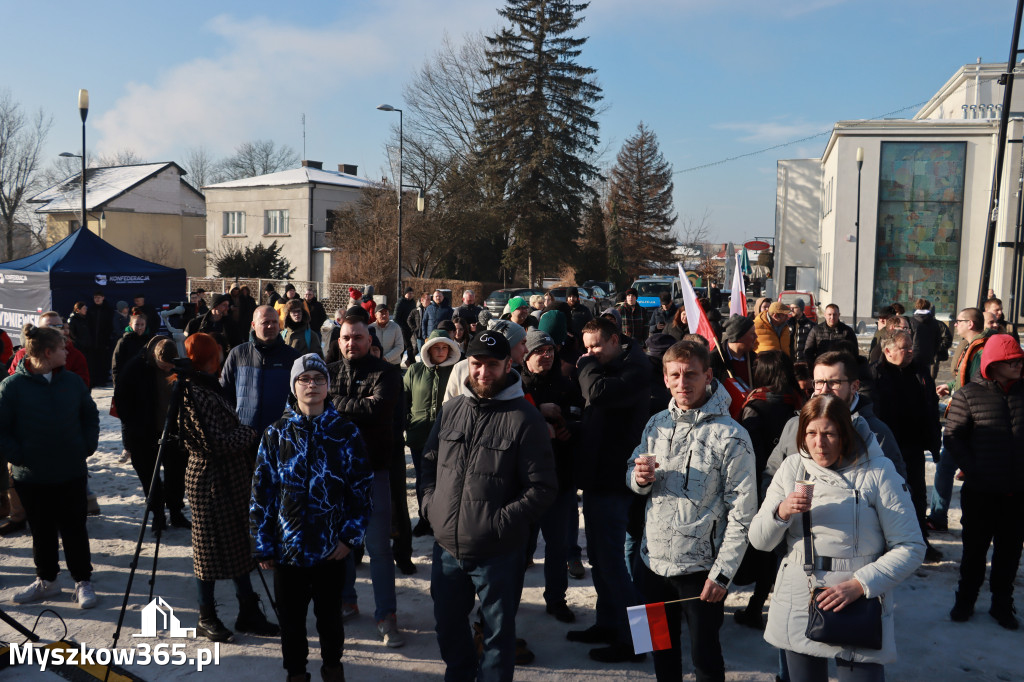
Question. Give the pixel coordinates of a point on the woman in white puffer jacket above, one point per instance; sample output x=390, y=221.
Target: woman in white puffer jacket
x=864, y=532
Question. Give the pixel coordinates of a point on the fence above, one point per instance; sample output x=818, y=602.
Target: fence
x=333, y=295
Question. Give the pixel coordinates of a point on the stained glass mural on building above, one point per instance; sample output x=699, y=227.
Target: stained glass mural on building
x=920, y=220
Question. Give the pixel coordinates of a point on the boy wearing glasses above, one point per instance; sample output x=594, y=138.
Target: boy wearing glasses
x=310, y=506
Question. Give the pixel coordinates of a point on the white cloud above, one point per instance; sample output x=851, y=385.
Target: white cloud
x=773, y=132
x=265, y=73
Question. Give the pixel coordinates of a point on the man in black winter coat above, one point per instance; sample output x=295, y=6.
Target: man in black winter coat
x=832, y=334
x=985, y=435
x=932, y=338
x=905, y=400
x=100, y=319
x=406, y=306
x=615, y=378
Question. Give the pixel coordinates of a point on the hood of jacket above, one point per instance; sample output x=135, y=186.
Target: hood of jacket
x=261, y=344
x=614, y=312
x=454, y=352
x=999, y=348
x=513, y=388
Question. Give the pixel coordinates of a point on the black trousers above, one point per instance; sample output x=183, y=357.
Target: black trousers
x=918, y=488
x=54, y=509
x=170, y=491
x=990, y=519
x=401, y=526
x=703, y=620
x=294, y=587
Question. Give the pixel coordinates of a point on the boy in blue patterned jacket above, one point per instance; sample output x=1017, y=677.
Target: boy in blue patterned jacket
x=310, y=506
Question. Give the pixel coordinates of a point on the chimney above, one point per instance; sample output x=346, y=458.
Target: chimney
x=319, y=165
x=348, y=168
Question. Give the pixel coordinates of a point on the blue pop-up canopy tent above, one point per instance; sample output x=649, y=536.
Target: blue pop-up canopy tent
x=72, y=270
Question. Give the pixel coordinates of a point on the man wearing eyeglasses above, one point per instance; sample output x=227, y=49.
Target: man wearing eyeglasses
x=905, y=400
x=836, y=373
x=970, y=325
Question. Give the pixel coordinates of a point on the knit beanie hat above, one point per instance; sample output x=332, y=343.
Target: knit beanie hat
x=553, y=322
x=736, y=327
x=509, y=329
x=204, y=352
x=484, y=317
x=516, y=303
x=536, y=339
x=310, y=362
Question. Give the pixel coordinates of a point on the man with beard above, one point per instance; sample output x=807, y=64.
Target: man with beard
x=488, y=473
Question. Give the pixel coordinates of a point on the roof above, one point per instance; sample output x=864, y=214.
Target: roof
x=296, y=176
x=83, y=251
x=102, y=185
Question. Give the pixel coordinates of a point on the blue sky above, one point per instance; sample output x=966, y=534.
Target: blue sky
x=712, y=79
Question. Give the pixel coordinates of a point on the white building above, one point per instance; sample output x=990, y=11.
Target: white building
x=293, y=207
x=924, y=198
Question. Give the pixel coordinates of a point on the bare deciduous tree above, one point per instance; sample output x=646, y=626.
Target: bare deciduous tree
x=694, y=230
x=258, y=157
x=155, y=249
x=122, y=157
x=21, y=141
x=200, y=166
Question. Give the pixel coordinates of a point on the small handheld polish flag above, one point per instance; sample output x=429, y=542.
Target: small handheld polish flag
x=649, y=627
x=738, y=302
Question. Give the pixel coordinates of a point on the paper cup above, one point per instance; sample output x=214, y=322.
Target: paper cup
x=806, y=488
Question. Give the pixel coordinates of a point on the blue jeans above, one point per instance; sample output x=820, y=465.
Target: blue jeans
x=942, y=489
x=454, y=586
x=606, y=516
x=378, y=546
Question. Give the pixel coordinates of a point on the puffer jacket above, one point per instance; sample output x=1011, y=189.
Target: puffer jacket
x=47, y=428
x=432, y=315
x=799, y=330
x=768, y=339
x=617, y=407
x=701, y=503
x=425, y=384
x=311, y=488
x=860, y=513
x=823, y=338
x=488, y=473
x=368, y=391
x=256, y=380
x=985, y=428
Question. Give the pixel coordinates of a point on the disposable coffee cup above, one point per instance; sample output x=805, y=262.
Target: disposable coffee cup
x=805, y=488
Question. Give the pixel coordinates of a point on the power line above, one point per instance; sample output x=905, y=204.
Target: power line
x=811, y=137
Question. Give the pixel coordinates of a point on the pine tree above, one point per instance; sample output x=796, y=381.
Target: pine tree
x=593, y=245
x=616, y=263
x=641, y=188
x=539, y=131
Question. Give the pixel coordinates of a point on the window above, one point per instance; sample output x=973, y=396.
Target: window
x=234, y=223
x=276, y=222
x=825, y=270
x=920, y=220
x=826, y=197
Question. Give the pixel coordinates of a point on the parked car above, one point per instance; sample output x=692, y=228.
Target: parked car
x=607, y=287
x=498, y=299
x=601, y=298
x=558, y=293
x=810, y=305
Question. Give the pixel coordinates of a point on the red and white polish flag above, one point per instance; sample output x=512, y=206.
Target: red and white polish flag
x=649, y=627
x=696, y=318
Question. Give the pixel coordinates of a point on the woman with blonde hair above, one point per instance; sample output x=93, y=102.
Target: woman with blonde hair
x=48, y=427
x=218, y=481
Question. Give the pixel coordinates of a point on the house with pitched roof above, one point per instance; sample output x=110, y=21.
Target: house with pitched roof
x=147, y=210
x=295, y=207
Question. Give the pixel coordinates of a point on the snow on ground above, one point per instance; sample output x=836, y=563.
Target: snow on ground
x=931, y=647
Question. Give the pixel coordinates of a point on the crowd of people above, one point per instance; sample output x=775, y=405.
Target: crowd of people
x=773, y=454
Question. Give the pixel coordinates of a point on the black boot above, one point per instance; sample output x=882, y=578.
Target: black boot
x=178, y=519
x=963, y=608
x=159, y=523
x=332, y=673
x=210, y=626
x=1003, y=611
x=252, y=620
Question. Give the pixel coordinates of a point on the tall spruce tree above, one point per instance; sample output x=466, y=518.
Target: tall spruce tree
x=539, y=131
x=641, y=189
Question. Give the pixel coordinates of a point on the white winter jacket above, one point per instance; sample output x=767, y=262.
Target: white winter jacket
x=704, y=494
x=862, y=515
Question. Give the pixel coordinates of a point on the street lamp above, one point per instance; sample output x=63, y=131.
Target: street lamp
x=856, y=246
x=398, y=283
x=83, y=109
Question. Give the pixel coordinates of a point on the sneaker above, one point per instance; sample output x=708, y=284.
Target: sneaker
x=85, y=595
x=561, y=612
x=576, y=570
x=37, y=591
x=388, y=631
x=595, y=634
x=348, y=612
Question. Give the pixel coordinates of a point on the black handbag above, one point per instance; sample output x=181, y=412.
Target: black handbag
x=858, y=624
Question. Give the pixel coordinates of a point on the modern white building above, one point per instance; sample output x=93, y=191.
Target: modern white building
x=925, y=187
x=293, y=207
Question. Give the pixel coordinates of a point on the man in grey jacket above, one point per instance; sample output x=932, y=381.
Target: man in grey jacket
x=488, y=472
x=702, y=497
x=836, y=373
